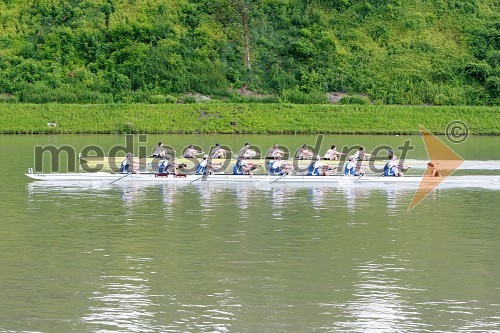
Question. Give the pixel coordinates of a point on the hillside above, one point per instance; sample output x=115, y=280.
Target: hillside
x=435, y=52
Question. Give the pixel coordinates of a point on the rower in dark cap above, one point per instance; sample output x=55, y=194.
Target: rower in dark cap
x=218, y=151
x=303, y=153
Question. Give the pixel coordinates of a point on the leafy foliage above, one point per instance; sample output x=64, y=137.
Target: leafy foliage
x=241, y=118
x=131, y=51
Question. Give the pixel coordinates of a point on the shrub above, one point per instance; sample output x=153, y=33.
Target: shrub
x=355, y=99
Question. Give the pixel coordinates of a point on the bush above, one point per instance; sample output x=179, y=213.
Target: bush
x=8, y=98
x=355, y=99
x=162, y=99
x=297, y=96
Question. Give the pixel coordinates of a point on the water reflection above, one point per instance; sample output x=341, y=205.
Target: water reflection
x=194, y=279
x=168, y=195
x=210, y=196
x=356, y=201
x=317, y=197
x=380, y=303
x=394, y=199
x=123, y=303
x=131, y=195
x=281, y=198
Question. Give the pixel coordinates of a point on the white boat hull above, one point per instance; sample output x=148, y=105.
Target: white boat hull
x=115, y=178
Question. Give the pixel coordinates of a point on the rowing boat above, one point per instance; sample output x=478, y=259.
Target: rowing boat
x=113, y=163
x=472, y=181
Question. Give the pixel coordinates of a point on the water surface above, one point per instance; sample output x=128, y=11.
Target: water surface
x=205, y=258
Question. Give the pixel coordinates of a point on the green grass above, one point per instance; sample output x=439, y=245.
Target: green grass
x=257, y=118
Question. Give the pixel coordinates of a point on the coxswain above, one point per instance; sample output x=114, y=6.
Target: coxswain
x=432, y=170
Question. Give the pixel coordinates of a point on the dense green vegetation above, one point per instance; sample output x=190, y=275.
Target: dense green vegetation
x=243, y=118
x=436, y=52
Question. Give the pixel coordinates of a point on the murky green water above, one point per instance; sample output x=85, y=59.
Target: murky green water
x=202, y=258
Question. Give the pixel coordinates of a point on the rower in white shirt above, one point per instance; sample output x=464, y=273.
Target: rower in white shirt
x=303, y=153
x=332, y=154
x=246, y=152
x=274, y=152
x=361, y=154
x=218, y=151
x=191, y=152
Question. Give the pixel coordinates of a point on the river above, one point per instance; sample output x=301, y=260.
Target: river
x=206, y=258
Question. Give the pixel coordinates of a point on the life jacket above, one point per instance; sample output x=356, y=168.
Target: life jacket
x=124, y=167
x=275, y=169
x=270, y=167
x=312, y=171
x=237, y=169
x=389, y=169
x=350, y=169
x=163, y=167
x=201, y=168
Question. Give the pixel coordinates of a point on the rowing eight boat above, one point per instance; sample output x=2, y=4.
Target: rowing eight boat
x=472, y=181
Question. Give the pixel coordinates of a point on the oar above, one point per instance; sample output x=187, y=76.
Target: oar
x=282, y=176
x=205, y=174
x=361, y=175
x=114, y=181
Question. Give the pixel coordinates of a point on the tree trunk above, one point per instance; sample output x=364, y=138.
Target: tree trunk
x=246, y=46
x=242, y=8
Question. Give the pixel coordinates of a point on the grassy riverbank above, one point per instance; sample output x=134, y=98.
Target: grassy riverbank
x=225, y=118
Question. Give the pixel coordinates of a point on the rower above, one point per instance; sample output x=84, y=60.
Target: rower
x=191, y=152
x=432, y=170
x=161, y=152
x=316, y=168
x=246, y=152
x=279, y=167
x=243, y=167
x=332, y=154
x=391, y=167
x=163, y=167
x=127, y=164
x=303, y=153
x=201, y=169
x=361, y=154
x=274, y=152
x=350, y=168
x=168, y=166
x=218, y=152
